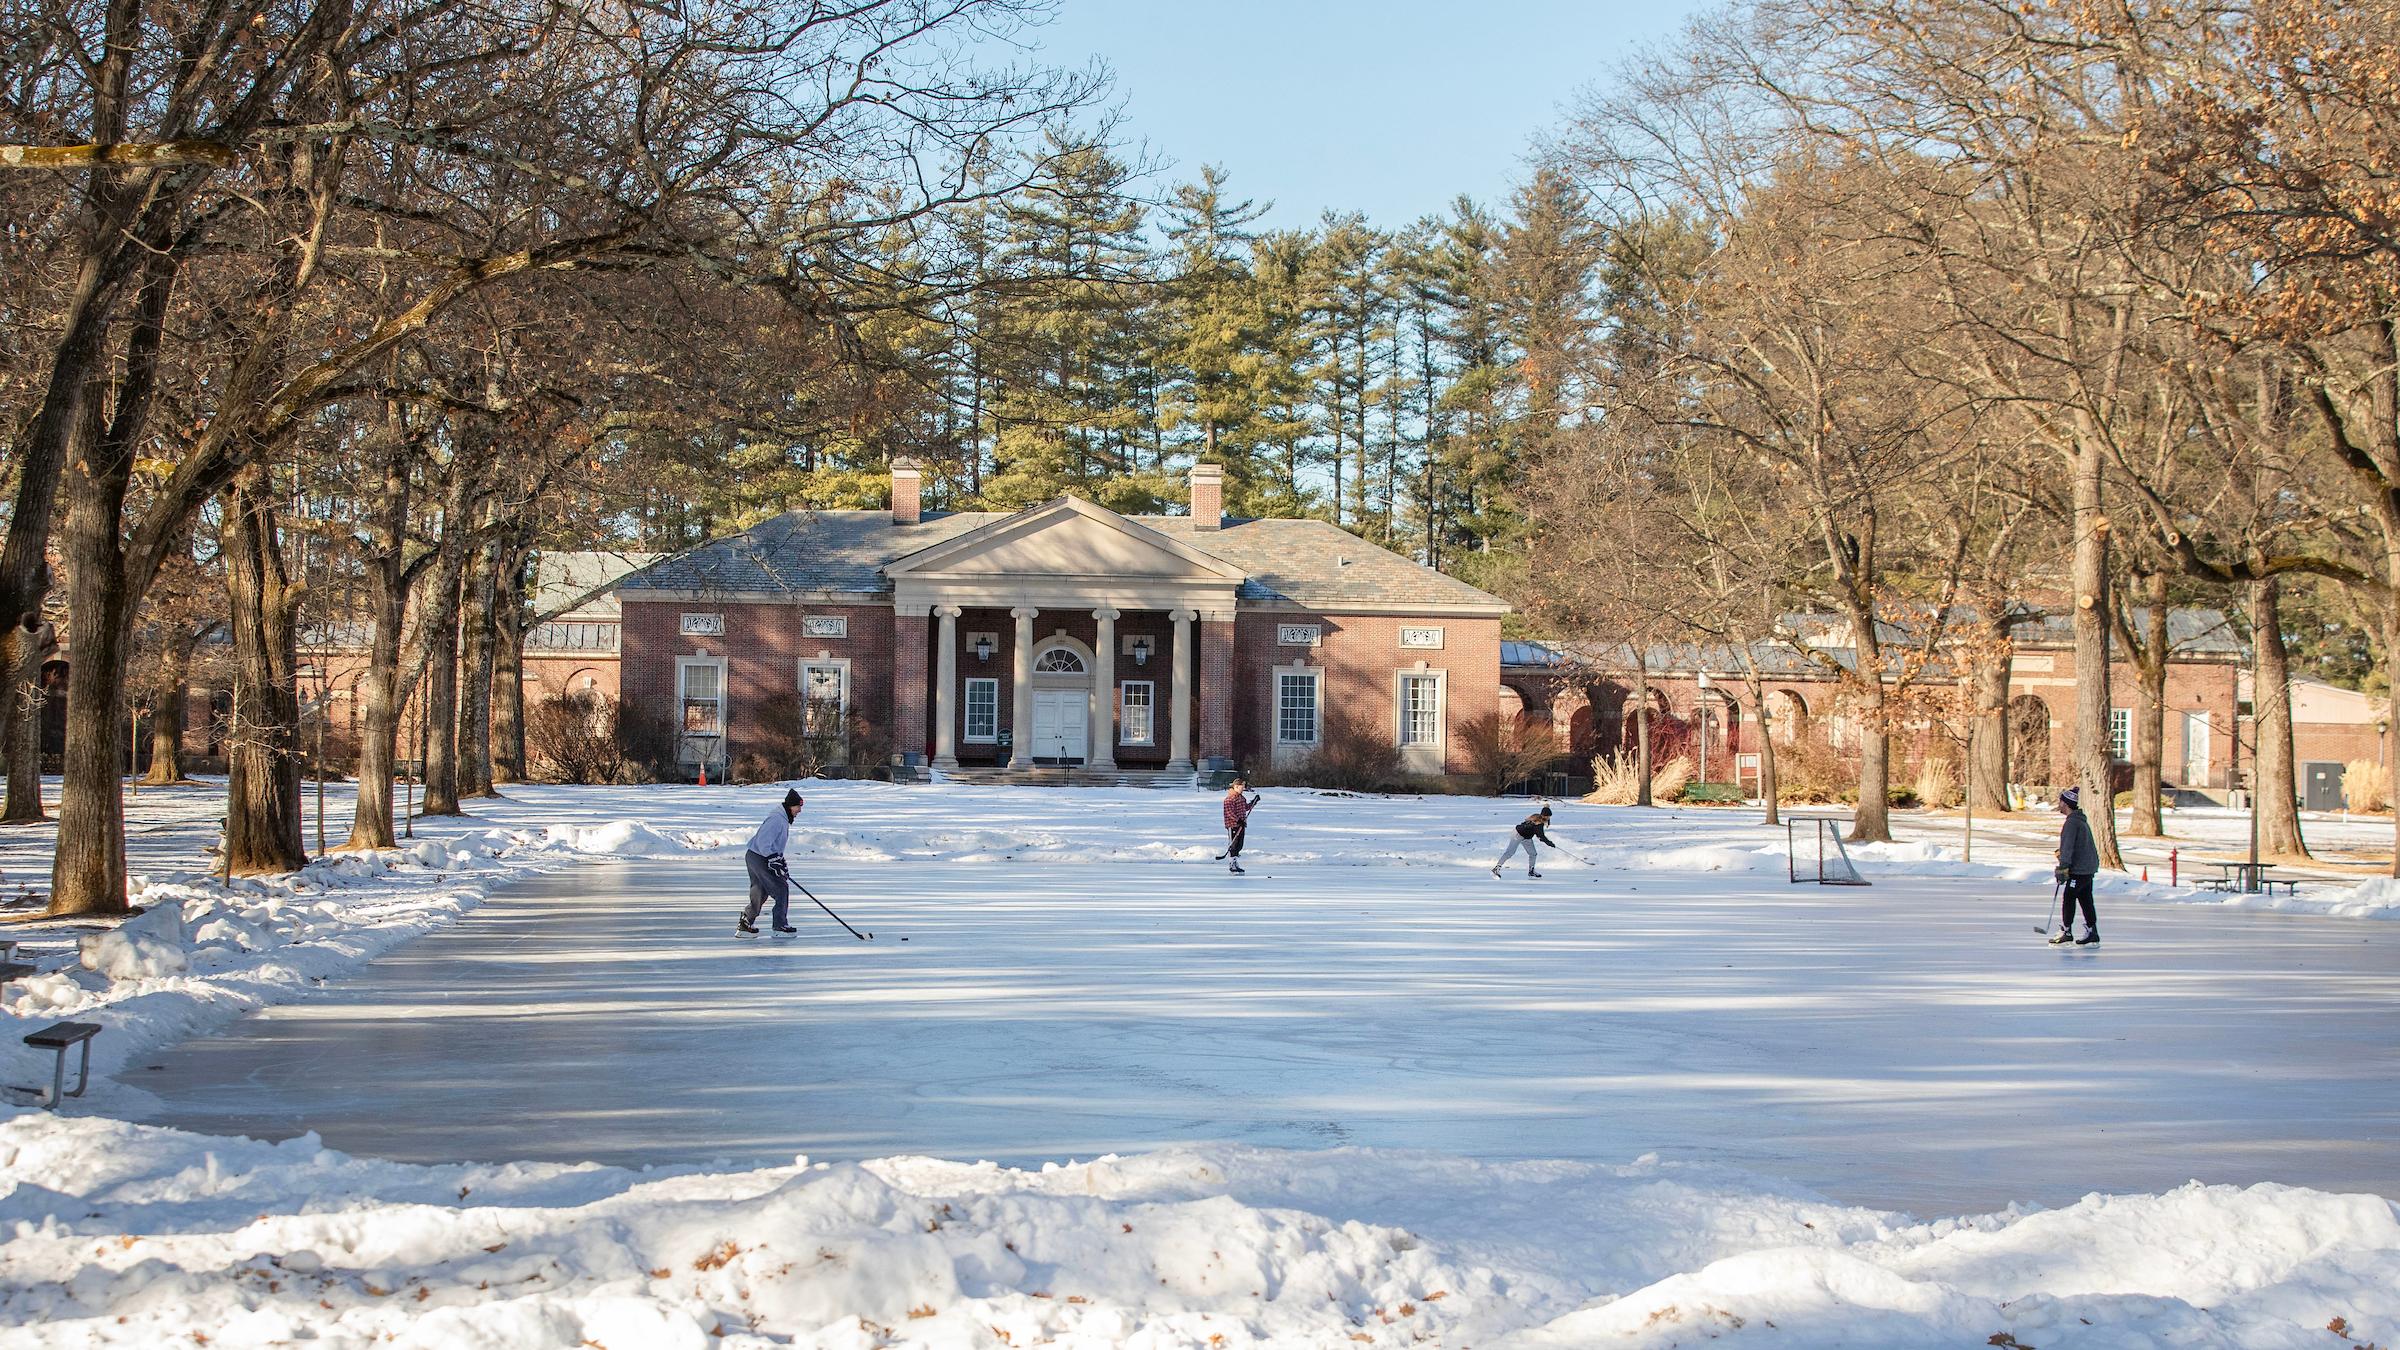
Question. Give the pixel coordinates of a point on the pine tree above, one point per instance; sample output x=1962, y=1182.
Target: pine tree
x=1215, y=319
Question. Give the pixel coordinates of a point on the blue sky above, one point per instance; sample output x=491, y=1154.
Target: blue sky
x=1390, y=109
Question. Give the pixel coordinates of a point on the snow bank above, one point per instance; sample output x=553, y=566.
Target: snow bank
x=150, y=944
x=617, y=839
x=2375, y=899
x=133, y=1236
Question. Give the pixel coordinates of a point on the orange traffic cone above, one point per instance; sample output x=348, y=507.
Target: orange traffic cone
x=704, y=773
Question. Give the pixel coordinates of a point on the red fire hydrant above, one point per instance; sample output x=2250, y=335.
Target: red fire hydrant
x=2171, y=855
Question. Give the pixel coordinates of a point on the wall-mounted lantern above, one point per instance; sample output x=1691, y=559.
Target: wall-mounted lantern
x=983, y=647
x=1141, y=651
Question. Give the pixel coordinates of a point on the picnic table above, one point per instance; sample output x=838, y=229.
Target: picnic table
x=2249, y=877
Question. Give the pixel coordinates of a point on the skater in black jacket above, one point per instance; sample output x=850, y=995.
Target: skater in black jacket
x=2078, y=863
x=1535, y=826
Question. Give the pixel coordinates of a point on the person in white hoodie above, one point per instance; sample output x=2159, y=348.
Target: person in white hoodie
x=770, y=875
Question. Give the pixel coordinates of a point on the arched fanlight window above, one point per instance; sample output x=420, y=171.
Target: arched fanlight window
x=1058, y=661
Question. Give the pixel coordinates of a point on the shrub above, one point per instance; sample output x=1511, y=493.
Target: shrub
x=1615, y=782
x=575, y=738
x=1809, y=771
x=784, y=747
x=2367, y=785
x=1500, y=751
x=1667, y=783
x=645, y=738
x=1348, y=757
x=1937, y=782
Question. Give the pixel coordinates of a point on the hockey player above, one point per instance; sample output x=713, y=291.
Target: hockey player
x=1535, y=826
x=1239, y=803
x=2078, y=863
x=770, y=875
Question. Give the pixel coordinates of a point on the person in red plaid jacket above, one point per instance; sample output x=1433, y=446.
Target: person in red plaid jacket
x=1239, y=803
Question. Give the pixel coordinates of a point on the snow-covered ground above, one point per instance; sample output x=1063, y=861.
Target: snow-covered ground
x=1608, y=1067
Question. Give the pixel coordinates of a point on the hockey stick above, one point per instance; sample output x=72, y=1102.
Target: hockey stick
x=829, y=910
x=2044, y=929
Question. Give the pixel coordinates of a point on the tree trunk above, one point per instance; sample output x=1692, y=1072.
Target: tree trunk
x=170, y=710
x=1766, y=746
x=2150, y=712
x=87, y=872
x=379, y=718
x=438, y=710
x=21, y=719
x=1872, y=824
x=262, y=822
x=508, y=674
x=476, y=621
x=1641, y=733
x=2271, y=697
x=1987, y=736
x=2091, y=654
x=380, y=690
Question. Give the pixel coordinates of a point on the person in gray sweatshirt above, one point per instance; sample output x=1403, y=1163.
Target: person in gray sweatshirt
x=770, y=874
x=2078, y=863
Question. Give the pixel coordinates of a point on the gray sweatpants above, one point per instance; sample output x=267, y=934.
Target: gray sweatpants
x=768, y=881
x=1533, y=855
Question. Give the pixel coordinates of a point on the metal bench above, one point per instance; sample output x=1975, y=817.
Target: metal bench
x=58, y=1036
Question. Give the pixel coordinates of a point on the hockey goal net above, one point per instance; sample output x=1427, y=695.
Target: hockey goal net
x=1817, y=854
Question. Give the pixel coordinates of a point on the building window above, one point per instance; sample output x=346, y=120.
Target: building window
x=983, y=711
x=1058, y=661
x=700, y=691
x=2120, y=733
x=1136, y=702
x=1420, y=710
x=1296, y=707
x=825, y=696
x=572, y=637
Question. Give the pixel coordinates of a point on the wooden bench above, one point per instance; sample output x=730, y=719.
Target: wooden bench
x=11, y=971
x=58, y=1036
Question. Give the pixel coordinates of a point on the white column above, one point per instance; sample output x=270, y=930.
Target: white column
x=945, y=690
x=1180, y=703
x=1104, y=693
x=1020, y=704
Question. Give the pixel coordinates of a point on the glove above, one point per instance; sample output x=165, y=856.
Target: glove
x=781, y=869
x=2059, y=875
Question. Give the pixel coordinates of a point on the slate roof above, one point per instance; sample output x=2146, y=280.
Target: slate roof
x=578, y=582
x=1302, y=562
x=1775, y=660
x=2190, y=632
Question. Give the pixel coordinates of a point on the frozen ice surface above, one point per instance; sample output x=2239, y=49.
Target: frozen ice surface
x=1908, y=1045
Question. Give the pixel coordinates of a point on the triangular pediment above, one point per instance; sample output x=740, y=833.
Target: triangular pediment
x=1064, y=538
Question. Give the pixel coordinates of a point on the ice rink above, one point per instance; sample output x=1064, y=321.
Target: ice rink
x=1911, y=1044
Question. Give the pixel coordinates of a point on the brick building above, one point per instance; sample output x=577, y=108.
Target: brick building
x=570, y=647
x=1064, y=634
x=1700, y=704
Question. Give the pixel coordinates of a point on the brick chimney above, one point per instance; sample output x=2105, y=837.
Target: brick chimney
x=1208, y=496
x=907, y=492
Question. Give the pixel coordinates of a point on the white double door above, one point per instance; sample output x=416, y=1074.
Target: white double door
x=1061, y=724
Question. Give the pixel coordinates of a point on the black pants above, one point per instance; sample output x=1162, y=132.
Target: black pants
x=2079, y=891
x=768, y=881
x=1234, y=837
